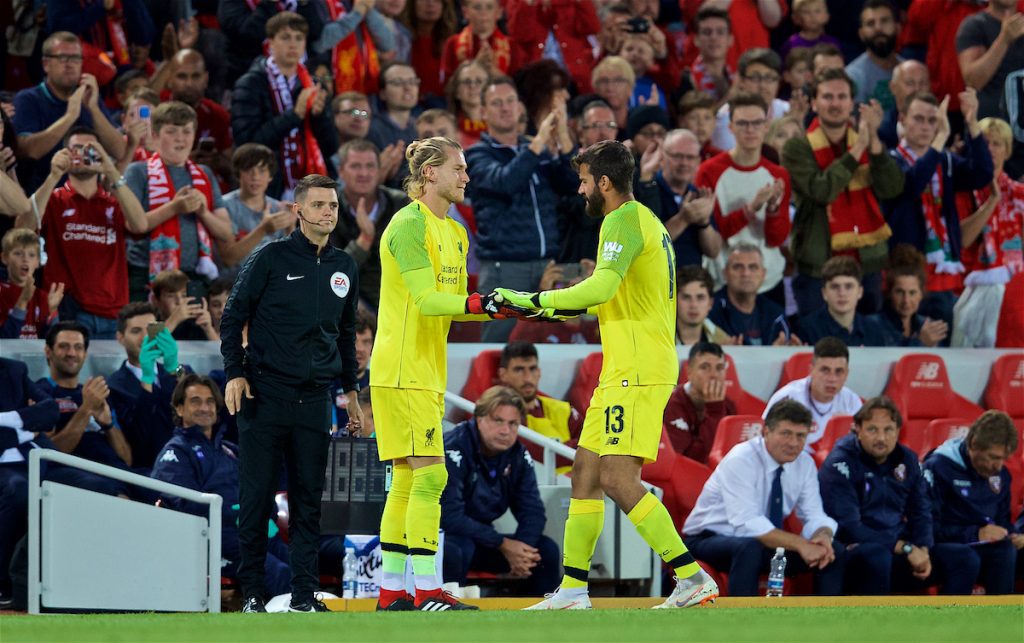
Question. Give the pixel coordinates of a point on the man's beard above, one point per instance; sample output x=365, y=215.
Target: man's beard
x=882, y=45
x=595, y=205
x=82, y=173
x=64, y=373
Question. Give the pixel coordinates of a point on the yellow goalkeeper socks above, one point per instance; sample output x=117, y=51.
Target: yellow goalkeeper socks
x=423, y=521
x=582, y=529
x=393, y=546
x=655, y=526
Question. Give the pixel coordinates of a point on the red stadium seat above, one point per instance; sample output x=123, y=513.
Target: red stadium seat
x=483, y=374
x=732, y=430
x=837, y=427
x=798, y=366
x=681, y=478
x=920, y=387
x=938, y=431
x=746, y=404
x=1005, y=390
x=583, y=385
x=688, y=478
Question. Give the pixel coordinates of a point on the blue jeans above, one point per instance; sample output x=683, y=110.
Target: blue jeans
x=746, y=559
x=873, y=569
x=98, y=327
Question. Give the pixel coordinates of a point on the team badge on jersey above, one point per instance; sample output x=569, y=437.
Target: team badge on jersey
x=340, y=284
x=995, y=483
x=900, y=472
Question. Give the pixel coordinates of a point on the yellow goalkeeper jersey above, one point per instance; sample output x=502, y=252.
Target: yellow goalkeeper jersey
x=410, y=349
x=638, y=321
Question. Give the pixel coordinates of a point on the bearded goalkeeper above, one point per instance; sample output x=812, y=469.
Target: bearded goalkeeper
x=423, y=288
x=633, y=293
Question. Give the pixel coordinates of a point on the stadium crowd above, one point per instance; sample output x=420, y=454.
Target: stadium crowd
x=831, y=173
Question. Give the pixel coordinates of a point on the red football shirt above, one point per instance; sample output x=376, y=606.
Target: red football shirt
x=37, y=313
x=85, y=246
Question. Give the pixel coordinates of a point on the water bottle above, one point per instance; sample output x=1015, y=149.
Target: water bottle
x=777, y=574
x=348, y=578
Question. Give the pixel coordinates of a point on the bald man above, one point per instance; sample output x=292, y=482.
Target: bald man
x=909, y=77
x=187, y=83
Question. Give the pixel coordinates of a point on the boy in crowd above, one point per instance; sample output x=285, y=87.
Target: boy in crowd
x=25, y=311
x=186, y=316
x=696, y=112
x=256, y=219
x=841, y=289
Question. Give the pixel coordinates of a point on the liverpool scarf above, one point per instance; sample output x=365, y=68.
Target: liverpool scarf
x=108, y=34
x=165, y=239
x=354, y=60
x=300, y=152
x=1001, y=244
x=704, y=81
x=937, y=250
x=854, y=219
x=466, y=48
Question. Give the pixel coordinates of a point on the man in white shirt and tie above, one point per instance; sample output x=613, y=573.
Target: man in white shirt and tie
x=737, y=523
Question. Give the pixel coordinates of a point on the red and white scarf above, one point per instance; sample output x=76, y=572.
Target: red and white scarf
x=704, y=81
x=1000, y=247
x=165, y=240
x=108, y=34
x=354, y=60
x=467, y=46
x=937, y=250
x=300, y=152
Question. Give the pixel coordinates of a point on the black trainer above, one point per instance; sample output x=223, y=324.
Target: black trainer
x=312, y=605
x=443, y=602
x=254, y=605
x=399, y=605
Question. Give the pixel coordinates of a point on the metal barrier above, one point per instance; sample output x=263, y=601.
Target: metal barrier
x=77, y=556
x=547, y=474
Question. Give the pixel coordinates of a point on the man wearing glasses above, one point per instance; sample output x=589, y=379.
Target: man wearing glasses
x=751, y=193
x=44, y=114
x=759, y=73
x=686, y=209
x=395, y=125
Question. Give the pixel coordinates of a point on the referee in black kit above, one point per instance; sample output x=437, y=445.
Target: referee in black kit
x=298, y=297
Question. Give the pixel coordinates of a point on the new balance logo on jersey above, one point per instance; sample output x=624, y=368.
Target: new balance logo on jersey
x=927, y=371
x=612, y=442
x=70, y=212
x=611, y=251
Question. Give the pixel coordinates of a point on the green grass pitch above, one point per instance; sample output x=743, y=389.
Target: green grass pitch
x=834, y=625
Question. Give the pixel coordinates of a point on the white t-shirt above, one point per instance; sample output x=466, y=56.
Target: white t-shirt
x=846, y=402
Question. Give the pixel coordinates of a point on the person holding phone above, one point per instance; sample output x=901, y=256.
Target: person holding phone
x=85, y=223
x=181, y=305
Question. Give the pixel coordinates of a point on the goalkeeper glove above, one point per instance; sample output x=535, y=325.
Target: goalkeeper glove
x=517, y=298
x=477, y=304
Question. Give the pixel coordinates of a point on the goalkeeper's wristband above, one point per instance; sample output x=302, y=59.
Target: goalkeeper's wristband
x=475, y=305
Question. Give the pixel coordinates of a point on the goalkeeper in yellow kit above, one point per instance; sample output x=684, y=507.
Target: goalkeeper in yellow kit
x=423, y=288
x=633, y=293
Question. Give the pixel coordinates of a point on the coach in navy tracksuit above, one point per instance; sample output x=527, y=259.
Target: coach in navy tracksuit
x=876, y=490
x=198, y=458
x=490, y=472
x=970, y=492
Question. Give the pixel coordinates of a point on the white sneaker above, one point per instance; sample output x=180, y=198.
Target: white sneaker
x=696, y=590
x=557, y=601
